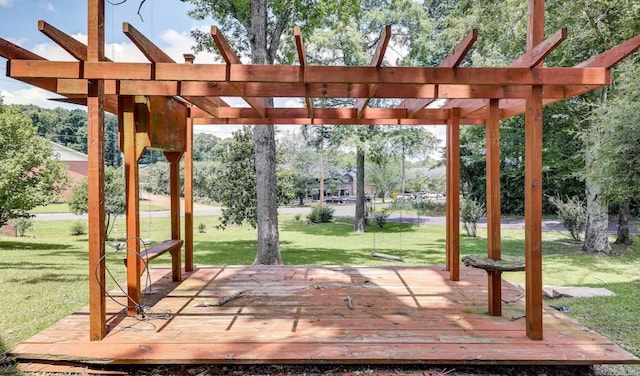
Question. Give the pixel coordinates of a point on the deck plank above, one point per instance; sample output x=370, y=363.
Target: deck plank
x=300, y=315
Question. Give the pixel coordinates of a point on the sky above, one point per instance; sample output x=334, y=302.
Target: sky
x=165, y=22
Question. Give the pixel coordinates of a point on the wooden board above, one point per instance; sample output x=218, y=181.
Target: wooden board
x=299, y=314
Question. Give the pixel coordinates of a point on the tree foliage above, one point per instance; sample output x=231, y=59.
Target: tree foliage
x=235, y=182
x=30, y=175
x=114, y=197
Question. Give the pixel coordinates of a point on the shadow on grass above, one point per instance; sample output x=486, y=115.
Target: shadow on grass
x=344, y=227
x=28, y=265
x=35, y=246
x=48, y=278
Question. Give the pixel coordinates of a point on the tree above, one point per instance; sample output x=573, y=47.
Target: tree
x=617, y=158
x=411, y=142
x=114, y=197
x=30, y=175
x=236, y=183
x=257, y=26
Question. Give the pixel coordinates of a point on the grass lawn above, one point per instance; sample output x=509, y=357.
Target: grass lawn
x=44, y=276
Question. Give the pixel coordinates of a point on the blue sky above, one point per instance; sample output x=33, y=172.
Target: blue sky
x=165, y=22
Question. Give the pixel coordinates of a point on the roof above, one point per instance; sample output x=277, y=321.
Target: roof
x=66, y=154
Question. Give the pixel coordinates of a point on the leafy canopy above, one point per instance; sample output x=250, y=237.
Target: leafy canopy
x=30, y=176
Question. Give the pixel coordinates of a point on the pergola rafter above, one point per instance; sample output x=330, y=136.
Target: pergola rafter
x=151, y=102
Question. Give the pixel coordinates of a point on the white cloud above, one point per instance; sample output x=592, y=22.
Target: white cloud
x=176, y=44
x=35, y=96
x=6, y=3
x=51, y=7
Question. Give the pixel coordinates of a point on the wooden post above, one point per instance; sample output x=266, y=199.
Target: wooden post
x=533, y=184
x=95, y=174
x=188, y=188
x=130, y=149
x=453, y=195
x=174, y=183
x=493, y=205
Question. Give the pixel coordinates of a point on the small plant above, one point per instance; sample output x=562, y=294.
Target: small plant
x=429, y=207
x=321, y=214
x=78, y=228
x=202, y=228
x=22, y=225
x=297, y=217
x=381, y=217
x=470, y=213
x=572, y=214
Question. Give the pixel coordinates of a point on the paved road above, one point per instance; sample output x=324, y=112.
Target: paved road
x=346, y=210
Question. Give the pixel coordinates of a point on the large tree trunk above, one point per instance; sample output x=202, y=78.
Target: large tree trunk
x=268, y=252
x=359, y=223
x=623, y=223
x=321, y=196
x=403, y=169
x=596, y=238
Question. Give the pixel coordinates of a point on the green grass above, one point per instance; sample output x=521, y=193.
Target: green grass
x=44, y=276
x=64, y=208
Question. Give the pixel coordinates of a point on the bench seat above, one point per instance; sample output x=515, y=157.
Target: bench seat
x=172, y=246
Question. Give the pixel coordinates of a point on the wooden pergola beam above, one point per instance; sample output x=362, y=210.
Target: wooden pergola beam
x=376, y=61
x=453, y=195
x=74, y=86
x=453, y=60
x=230, y=57
x=242, y=74
x=74, y=47
x=12, y=51
x=529, y=59
x=302, y=59
x=155, y=55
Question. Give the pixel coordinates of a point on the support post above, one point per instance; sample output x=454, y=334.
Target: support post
x=188, y=198
x=453, y=195
x=493, y=205
x=533, y=183
x=188, y=187
x=95, y=174
x=130, y=149
x=174, y=183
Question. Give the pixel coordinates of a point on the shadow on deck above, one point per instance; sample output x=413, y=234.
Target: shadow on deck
x=301, y=315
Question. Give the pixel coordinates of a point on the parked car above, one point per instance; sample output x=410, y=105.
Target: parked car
x=334, y=200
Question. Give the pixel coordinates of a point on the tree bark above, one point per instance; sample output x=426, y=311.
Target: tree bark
x=321, y=195
x=596, y=238
x=623, y=223
x=359, y=220
x=268, y=252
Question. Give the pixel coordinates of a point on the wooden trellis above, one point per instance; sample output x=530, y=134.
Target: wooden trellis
x=158, y=103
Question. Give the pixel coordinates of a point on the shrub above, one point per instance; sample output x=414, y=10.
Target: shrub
x=470, y=213
x=429, y=206
x=22, y=225
x=202, y=228
x=78, y=228
x=381, y=217
x=321, y=214
x=297, y=217
x=572, y=214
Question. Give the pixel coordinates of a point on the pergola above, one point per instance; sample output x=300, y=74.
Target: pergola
x=158, y=103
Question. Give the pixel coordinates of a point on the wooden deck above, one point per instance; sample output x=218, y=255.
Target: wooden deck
x=302, y=315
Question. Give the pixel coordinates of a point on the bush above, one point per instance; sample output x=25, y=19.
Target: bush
x=470, y=213
x=78, y=228
x=202, y=228
x=381, y=217
x=572, y=214
x=297, y=217
x=22, y=225
x=429, y=206
x=321, y=214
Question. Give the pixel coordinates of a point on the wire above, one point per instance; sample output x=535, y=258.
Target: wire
x=143, y=310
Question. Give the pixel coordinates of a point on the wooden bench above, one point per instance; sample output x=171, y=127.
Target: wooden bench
x=172, y=246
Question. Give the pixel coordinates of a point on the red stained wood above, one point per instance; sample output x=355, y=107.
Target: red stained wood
x=188, y=198
x=493, y=205
x=453, y=195
x=95, y=141
x=299, y=315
